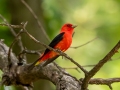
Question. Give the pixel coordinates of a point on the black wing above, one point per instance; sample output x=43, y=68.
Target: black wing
x=55, y=41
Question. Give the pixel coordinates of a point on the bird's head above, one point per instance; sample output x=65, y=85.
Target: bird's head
x=68, y=28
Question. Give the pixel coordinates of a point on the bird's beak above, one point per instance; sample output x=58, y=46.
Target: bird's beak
x=74, y=26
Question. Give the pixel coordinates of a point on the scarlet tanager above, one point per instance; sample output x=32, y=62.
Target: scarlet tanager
x=62, y=42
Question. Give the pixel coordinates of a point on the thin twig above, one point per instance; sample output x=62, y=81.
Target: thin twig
x=98, y=66
x=22, y=54
x=15, y=40
x=85, y=43
x=12, y=31
x=36, y=18
x=25, y=51
x=12, y=26
x=7, y=24
x=73, y=61
x=76, y=68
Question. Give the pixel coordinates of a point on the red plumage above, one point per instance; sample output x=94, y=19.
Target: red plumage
x=62, y=42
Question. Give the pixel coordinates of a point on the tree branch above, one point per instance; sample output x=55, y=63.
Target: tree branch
x=100, y=81
x=98, y=66
x=19, y=76
x=84, y=43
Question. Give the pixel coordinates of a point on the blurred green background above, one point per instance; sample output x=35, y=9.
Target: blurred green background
x=94, y=19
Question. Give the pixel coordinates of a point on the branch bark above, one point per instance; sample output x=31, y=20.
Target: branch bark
x=98, y=66
x=19, y=76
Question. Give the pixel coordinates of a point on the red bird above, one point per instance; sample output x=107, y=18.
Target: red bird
x=62, y=42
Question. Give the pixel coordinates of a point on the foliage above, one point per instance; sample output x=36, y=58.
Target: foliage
x=4, y=31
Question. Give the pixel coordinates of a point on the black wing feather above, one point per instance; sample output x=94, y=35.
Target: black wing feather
x=55, y=41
